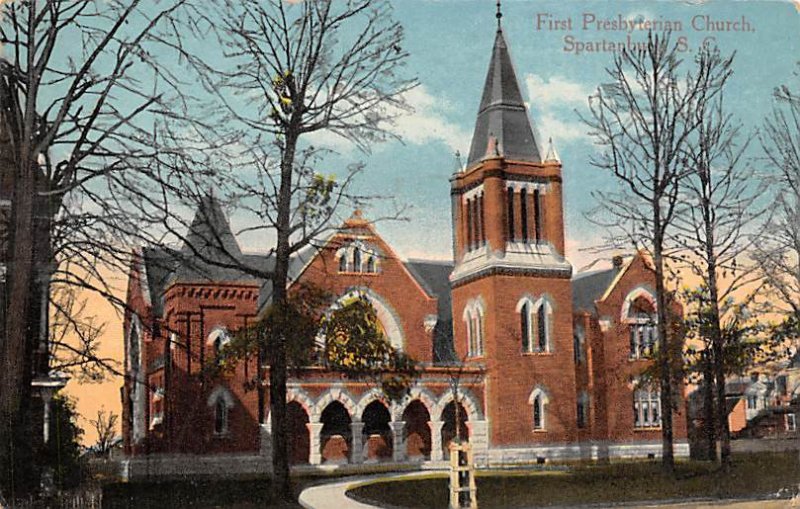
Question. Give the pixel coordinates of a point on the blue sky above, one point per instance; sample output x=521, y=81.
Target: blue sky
x=449, y=42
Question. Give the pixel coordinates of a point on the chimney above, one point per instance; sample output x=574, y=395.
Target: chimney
x=617, y=261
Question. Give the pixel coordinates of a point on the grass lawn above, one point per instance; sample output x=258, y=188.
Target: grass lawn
x=751, y=475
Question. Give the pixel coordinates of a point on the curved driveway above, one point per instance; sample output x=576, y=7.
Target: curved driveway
x=332, y=496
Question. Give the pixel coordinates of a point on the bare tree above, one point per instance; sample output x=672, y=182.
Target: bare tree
x=716, y=225
x=71, y=103
x=288, y=70
x=105, y=425
x=778, y=254
x=642, y=121
x=75, y=336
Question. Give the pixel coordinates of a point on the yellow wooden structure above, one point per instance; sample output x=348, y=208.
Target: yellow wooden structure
x=463, y=492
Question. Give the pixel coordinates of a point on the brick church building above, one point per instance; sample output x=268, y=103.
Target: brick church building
x=547, y=362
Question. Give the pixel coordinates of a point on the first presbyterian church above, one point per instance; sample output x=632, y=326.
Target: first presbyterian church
x=549, y=363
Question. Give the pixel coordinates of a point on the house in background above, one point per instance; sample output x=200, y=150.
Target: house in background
x=767, y=405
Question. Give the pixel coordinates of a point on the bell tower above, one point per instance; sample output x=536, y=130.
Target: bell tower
x=512, y=300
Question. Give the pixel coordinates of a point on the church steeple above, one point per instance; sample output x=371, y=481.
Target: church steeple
x=502, y=113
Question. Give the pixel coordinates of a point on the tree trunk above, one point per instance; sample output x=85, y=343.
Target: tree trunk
x=281, y=484
x=17, y=337
x=718, y=346
x=665, y=368
x=709, y=414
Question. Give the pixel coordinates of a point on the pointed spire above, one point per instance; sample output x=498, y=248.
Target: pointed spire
x=210, y=234
x=502, y=111
x=552, y=155
x=459, y=164
x=356, y=220
x=493, y=147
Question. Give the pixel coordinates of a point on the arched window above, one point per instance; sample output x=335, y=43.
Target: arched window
x=541, y=329
x=583, y=409
x=646, y=408
x=578, y=344
x=481, y=221
x=356, y=260
x=639, y=312
x=539, y=401
x=535, y=326
x=342, y=263
x=543, y=316
x=478, y=330
x=220, y=417
x=218, y=338
x=525, y=327
x=371, y=264
x=510, y=213
x=523, y=214
x=470, y=334
x=220, y=402
x=474, y=322
x=537, y=216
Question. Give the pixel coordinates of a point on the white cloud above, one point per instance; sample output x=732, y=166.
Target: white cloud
x=554, y=100
x=554, y=126
x=426, y=122
x=556, y=91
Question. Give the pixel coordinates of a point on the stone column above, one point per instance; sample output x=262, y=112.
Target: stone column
x=479, y=438
x=436, y=440
x=46, y=397
x=398, y=442
x=266, y=439
x=315, y=447
x=357, y=447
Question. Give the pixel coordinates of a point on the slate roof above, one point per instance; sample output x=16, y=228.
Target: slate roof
x=589, y=287
x=210, y=253
x=502, y=112
x=434, y=277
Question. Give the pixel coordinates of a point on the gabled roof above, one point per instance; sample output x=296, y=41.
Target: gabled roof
x=589, y=287
x=502, y=115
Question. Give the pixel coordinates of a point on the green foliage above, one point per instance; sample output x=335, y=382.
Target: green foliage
x=357, y=346
x=62, y=452
x=746, y=339
x=346, y=338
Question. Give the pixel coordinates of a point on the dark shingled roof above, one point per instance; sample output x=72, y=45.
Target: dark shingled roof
x=210, y=251
x=434, y=277
x=210, y=254
x=502, y=112
x=159, y=263
x=590, y=286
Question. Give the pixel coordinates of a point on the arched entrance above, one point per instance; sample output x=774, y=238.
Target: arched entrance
x=449, y=427
x=335, y=435
x=296, y=420
x=377, y=434
x=418, y=433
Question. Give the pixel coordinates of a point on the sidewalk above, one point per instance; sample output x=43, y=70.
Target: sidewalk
x=332, y=496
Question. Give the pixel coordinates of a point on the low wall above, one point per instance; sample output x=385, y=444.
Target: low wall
x=765, y=445
x=178, y=466
x=582, y=451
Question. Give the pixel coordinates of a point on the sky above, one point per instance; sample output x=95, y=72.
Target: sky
x=450, y=41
